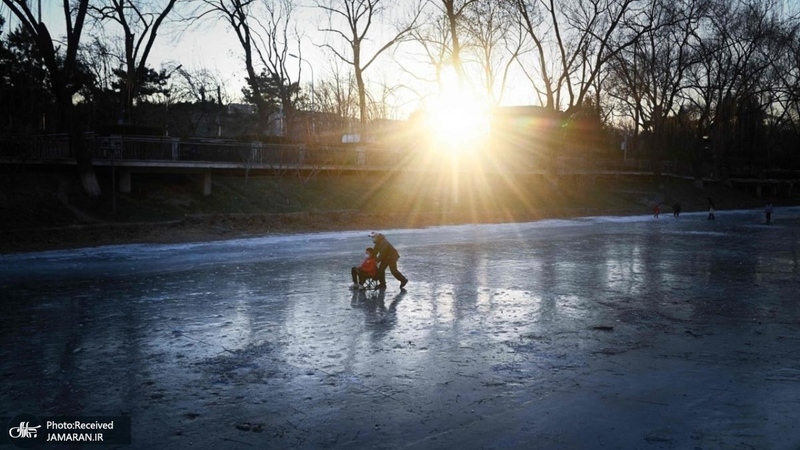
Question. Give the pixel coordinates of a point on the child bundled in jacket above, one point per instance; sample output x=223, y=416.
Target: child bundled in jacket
x=367, y=269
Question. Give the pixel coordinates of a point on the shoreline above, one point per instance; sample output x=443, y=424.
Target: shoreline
x=44, y=212
x=218, y=227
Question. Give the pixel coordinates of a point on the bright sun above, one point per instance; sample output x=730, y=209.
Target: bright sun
x=457, y=120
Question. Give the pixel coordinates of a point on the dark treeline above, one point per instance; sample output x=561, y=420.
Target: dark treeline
x=709, y=84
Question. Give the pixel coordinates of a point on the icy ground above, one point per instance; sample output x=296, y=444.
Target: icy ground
x=607, y=332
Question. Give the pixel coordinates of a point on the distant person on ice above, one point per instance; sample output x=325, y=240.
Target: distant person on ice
x=367, y=269
x=657, y=210
x=710, y=208
x=387, y=257
x=676, y=209
x=768, y=211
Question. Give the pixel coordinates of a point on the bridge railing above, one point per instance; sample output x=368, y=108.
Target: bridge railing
x=29, y=149
x=166, y=149
x=34, y=147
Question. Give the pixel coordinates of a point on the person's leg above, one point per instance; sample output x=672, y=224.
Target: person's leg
x=382, y=274
x=399, y=276
x=354, y=274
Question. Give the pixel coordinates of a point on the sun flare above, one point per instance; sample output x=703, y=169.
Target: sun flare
x=457, y=120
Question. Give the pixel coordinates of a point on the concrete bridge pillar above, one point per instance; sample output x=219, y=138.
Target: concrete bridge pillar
x=125, y=182
x=207, y=184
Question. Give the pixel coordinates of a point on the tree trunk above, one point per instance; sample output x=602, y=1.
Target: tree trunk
x=258, y=99
x=362, y=101
x=288, y=115
x=77, y=148
x=452, y=20
x=84, y=160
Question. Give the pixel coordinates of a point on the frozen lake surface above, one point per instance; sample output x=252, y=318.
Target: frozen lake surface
x=625, y=332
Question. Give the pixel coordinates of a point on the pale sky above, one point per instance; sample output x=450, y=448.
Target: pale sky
x=215, y=47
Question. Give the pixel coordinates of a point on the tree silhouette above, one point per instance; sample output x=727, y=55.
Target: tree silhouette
x=357, y=18
x=140, y=26
x=65, y=78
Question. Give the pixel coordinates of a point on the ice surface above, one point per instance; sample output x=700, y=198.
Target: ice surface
x=663, y=332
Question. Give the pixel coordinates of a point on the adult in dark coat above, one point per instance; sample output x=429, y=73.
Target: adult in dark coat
x=387, y=257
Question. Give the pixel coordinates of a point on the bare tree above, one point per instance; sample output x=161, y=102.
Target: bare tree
x=382, y=100
x=580, y=37
x=784, y=107
x=100, y=59
x=140, y=22
x=276, y=37
x=457, y=33
x=496, y=42
x=194, y=85
x=351, y=21
x=265, y=33
x=336, y=102
x=338, y=95
x=65, y=75
x=454, y=11
x=238, y=14
x=649, y=77
x=433, y=39
x=734, y=55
